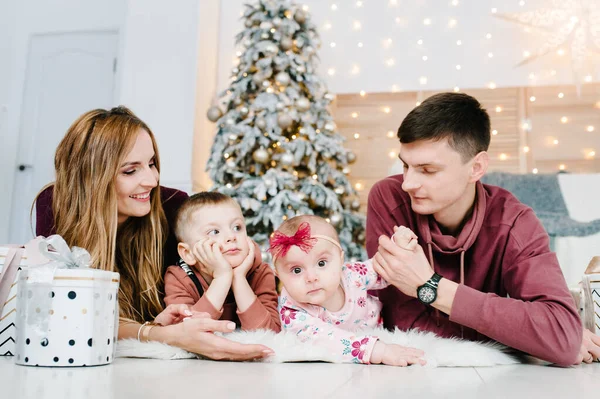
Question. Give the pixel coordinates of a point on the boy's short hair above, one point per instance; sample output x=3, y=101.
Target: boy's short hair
x=290, y=226
x=195, y=202
x=456, y=116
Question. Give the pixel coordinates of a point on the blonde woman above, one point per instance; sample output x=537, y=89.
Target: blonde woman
x=107, y=199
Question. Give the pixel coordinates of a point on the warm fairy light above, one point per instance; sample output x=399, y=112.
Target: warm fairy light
x=363, y=93
x=562, y=166
x=591, y=154
x=588, y=78
x=390, y=62
x=532, y=98
x=494, y=10
x=498, y=109
x=356, y=136
x=355, y=70
x=590, y=128
x=359, y=4
x=564, y=119
x=458, y=67
x=503, y=157
x=327, y=26
x=390, y=134
x=555, y=142
x=488, y=36
x=535, y=171
x=423, y=80
x=315, y=177
x=355, y=115
x=424, y=58
x=229, y=185
x=456, y=89
x=526, y=149
x=331, y=71
x=459, y=42
x=226, y=155
x=418, y=103
x=490, y=55
x=398, y=20
x=532, y=75
x=356, y=25
x=269, y=89
x=359, y=186
x=392, y=154
x=294, y=137
x=522, y=3
x=454, y=3
x=393, y=3
x=334, y=7
x=452, y=23
x=526, y=54
x=494, y=132
x=492, y=85
x=427, y=21
x=561, y=95
x=387, y=110
x=359, y=44
x=332, y=44
x=420, y=42
x=560, y=52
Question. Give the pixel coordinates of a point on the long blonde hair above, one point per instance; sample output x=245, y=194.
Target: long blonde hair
x=84, y=204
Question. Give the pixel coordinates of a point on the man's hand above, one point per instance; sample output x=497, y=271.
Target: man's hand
x=406, y=270
x=590, y=347
x=242, y=270
x=212, y=262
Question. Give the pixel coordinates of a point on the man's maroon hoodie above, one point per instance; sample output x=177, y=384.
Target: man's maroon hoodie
x=511, y=287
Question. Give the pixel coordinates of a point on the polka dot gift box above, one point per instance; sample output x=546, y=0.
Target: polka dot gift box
x=67, y=313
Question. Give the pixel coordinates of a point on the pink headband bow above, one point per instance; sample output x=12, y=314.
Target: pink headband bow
x=281, y=244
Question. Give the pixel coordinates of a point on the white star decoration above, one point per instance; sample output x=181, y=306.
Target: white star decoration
x=567, y=23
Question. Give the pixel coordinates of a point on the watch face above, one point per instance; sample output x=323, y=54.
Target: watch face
x=427, y=294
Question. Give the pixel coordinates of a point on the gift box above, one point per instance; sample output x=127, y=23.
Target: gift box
x=12, y=259
x=67, y=313
x=590, y=296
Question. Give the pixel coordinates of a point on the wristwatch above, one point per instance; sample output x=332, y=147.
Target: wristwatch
x=427, y=293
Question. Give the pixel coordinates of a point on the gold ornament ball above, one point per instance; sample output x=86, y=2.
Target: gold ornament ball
x=261, y=123
x=329, y=126
x=261, y=156
x=214, y=114
x=284, y=121
x=300, y=69
x=335, y=219
x=355, y=204
x=287, y=159
x=244, y=111
x=271, y=48
x=351, y=157
x=249, y=23
x=264, y=36
x=361, y=236
x=346, y=170
x=300, y=16
x=303, y=104
x=282, y=79
x=340, y=190
x=286, y=43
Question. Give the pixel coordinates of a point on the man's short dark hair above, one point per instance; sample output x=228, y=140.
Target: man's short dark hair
x=457, y=116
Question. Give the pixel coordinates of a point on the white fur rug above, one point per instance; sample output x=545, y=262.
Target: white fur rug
x=439, y=352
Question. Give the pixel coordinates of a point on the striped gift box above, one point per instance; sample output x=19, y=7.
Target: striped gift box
x=8, y=312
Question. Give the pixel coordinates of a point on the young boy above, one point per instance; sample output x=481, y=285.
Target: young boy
x=226, y=276
x=325, y=301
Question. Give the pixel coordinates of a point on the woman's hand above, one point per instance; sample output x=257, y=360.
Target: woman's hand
x=176, y=313
x=196, y=335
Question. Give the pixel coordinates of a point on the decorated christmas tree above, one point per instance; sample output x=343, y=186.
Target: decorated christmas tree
x=277, y=150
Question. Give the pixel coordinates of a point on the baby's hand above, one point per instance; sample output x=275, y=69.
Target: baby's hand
x=212, y=261
x=405, y=238
x=396, y=355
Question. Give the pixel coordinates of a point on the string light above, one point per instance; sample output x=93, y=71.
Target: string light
x=458, y=67
x=564, y=119
x=555, y=142
x=356, y=25
x=356, y=136
x=452, y=23
x=420, y=42
x=561, y=95
x=305, y=7
x=390, y=62
x=498, y=108
x=492, y=85
x=488, y=36
x=588, y=78
x=334, y=7
x=494, y=132
x=427, y=21
x=591, y=154
x=395, y=88
x=503, y=157
x=327, y=26
x=359, y=4
x=355, y=115
x=387, y=110
x=456, y=89
x=459, y=42
x=535, y=171
x=532, y=98
x=560, y=52
x=359, y=186
x=390, y=134
x=363, y=93
x=393, y=3
x=590, y=128
x=418, y=103
x=425, y=58
x=423, y=80
x=332, y=44
x=387, y=42
x=490, y=54
x=392, y=154
x=331, y=71
x=526, y=149
x=562, y=166
x=454, y=3
x=229, y=185
x=526, y=54
x=359, y=44
x=355, y=69
x=521, y=3
x=226, y=155
x=315, y=177
x=494, y=10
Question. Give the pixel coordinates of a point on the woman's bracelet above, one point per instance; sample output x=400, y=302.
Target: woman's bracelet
x=144, y=330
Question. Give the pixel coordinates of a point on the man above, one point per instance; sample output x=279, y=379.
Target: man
x=495, y=276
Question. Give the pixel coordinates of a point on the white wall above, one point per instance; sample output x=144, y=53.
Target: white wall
x=19, y=20
x=156, y=75
x=403, y=23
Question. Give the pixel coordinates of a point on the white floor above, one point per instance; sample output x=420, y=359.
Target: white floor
x=149, y=379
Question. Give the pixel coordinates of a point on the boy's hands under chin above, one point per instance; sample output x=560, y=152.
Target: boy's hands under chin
x=242, y=270
x=211, y=260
